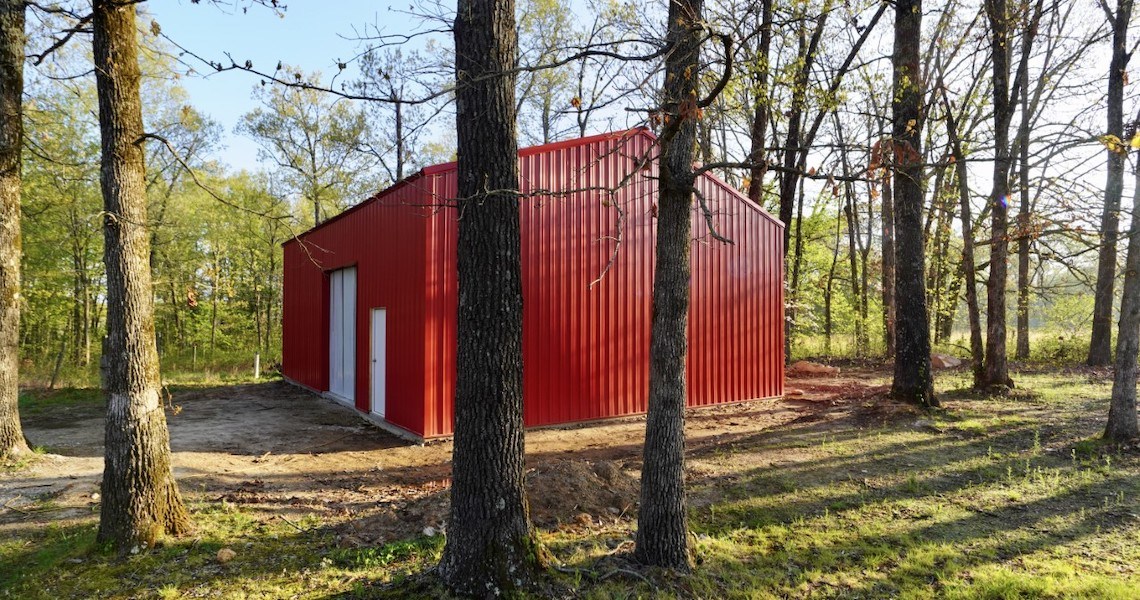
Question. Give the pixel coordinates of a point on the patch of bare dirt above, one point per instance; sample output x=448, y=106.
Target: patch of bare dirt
x=283, y=451
x=566, y=490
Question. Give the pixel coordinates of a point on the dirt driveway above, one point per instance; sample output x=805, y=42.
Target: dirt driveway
x=277, y=447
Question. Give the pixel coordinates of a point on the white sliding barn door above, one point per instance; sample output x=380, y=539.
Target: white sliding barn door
x=342, y=333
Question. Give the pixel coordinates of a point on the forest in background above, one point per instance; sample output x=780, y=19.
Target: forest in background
x=821, y=104
x=948, y=212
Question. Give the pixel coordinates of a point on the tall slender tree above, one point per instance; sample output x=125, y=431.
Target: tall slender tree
x=12, y=42
x=969, y=270
x=889, y=275
x=1122, y=424
x=1031, y=18
x=1100, y=346
x=141, y=500
x=1021, y=351
x=491, y=544
x=996, y=367
x=662, y=523
x=913, y=379
x=760, y=109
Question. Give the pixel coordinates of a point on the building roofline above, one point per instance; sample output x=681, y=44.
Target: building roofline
x=524, y=152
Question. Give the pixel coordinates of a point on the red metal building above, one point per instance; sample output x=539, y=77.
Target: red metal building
x=370, y=295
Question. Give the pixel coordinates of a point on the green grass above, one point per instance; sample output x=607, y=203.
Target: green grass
x=38, y=401
x=1007, y=497
x=177, y=368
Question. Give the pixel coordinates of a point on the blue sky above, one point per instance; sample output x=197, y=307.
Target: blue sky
x=312, y=34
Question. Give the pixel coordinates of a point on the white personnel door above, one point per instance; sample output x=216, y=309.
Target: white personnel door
x=342, y=333
x=379, y=359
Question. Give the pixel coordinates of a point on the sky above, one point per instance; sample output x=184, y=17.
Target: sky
x=311, y=34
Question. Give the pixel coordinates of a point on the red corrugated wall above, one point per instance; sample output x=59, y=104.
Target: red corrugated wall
x=384, y=239
x=586, y=347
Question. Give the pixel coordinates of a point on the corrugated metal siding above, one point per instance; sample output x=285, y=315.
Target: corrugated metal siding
x=384, y=239
x=586, y=348
x=304, y=319
x=443, y=303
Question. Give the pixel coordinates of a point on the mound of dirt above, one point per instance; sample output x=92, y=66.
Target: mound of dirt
x=569, y=491
x=565, y=490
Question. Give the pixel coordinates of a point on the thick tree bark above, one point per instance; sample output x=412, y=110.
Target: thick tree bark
x=491, y=545
x=1100, y=346
x=662, y=523
x=140, y=499
x=1122, y=425
x=913, y=379
x=12, y=42
x=996, y=367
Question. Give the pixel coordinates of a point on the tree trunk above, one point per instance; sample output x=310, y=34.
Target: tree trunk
x=662, y=522
x=889, y=309
x=85, y=357
x=401, y=150
x=1100, y=347
x=12, y=42
x=757, y=156
x=852, y=257
x=316, y=207
x=140, y=499
x=853, y=240
x=996, y=368
x=491, y=544
x=789, y=177
x=76, y=323
x=969, y=270
x=274, y=296
x=913, y=380
x=1122, y=425
x=214, y=304
x=954, y=289
x=829, y=284
x=704, y=144
x=175, y=300
x=943, y=284
x=1021, y=352
x=255, y=312
x=864, y=273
